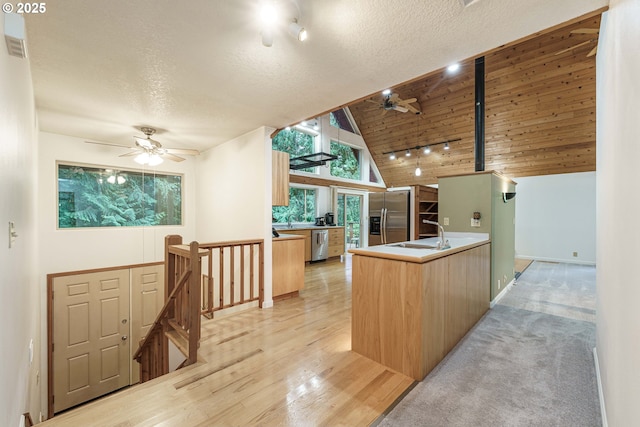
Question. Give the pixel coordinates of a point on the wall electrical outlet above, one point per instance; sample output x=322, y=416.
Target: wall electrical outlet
x=575, y=254
x=475, y=222
x=12, y=234
x=445, y=221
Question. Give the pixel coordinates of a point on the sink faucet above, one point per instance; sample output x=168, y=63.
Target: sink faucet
x=442, y=243
x=289, y=220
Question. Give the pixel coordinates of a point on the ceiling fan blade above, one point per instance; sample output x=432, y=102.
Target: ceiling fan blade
x=394, y=98
x=108, y=143
x=586, y=31
x=407, y=101
x=134, y=152
x=593, y=51
x=572, y=47
x=371, y=100
x=400, y=108
x=413, y=109
x=173, y=157
x=186, y=151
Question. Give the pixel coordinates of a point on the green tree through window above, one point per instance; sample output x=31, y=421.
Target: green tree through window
x=347, y=165
x=296, y=143
x=302, y=207
x=94, y=197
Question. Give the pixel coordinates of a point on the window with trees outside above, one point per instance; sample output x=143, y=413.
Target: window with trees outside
x=302, y=207
x=347, y=165
x=296, y=143
x=91, y=196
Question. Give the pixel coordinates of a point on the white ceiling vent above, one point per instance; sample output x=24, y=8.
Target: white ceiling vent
x=14, y=34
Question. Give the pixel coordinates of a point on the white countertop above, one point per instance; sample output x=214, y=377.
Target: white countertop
x=458, y=241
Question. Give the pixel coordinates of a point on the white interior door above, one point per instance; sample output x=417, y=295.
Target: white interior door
x=91, y=346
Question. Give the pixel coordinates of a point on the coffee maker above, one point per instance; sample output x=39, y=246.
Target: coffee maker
x=328, y=218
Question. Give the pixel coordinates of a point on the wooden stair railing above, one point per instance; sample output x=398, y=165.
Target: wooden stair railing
x=236, y=277
x=180, y=315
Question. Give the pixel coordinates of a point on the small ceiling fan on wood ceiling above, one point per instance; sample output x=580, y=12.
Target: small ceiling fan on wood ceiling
x=149, y=151
x=593, y=31
x=392, y=101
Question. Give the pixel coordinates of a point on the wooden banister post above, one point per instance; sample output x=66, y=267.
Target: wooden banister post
x=194, y=302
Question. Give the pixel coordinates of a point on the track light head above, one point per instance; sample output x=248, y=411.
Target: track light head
x=427, y=150
x=392, y=156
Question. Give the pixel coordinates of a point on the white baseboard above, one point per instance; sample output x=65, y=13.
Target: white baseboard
x=565, y=261
x=502, y=293
x=603, y=411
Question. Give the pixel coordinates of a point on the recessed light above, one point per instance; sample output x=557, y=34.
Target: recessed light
x=453, y=67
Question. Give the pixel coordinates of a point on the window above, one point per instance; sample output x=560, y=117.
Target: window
x=296, y=143
x=347, y=165
x=302, y=207
x=340, y=119
x=100, y=197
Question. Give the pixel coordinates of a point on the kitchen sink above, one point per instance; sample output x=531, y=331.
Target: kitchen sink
x=413, y=245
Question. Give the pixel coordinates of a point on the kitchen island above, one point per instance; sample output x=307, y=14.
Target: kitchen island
x=411, y=304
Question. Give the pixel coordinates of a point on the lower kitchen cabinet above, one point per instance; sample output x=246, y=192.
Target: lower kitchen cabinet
x=287, y=266
x=336, y=242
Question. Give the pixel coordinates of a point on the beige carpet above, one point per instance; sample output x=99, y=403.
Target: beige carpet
x=528, y=362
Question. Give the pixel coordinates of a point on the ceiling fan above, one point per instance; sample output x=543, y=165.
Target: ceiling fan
x=149, y=151
x=392, y=101
x=583, y=31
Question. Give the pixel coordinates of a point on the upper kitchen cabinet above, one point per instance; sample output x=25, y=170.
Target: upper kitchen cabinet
x=279, y=178
x=483, y=202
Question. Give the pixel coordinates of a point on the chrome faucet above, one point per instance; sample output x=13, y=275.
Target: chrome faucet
x=289, y=220
x=442, y=243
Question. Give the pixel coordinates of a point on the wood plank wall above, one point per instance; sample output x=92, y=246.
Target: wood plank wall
x=540, y=113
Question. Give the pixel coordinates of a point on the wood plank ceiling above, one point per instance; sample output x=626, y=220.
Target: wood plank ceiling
x=539, y=110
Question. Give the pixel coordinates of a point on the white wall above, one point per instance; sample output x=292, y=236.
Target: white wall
x=76, y=249
x=556, y=216
x=234, y=194
x=62, y=250
x=618, y=195
x=19, y=292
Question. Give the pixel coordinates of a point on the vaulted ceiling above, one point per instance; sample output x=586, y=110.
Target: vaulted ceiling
x=539, y=111
x=197, y=70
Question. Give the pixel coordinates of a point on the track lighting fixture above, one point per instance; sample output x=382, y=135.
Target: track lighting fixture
x=426, y=148
x=297, y=31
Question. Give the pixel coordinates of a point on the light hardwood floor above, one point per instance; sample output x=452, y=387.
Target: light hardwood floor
x=291, y=365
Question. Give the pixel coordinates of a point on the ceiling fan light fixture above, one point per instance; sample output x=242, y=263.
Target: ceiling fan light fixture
x=386, y=92
x=155, y=160
x=453, y=67
x=142, y=158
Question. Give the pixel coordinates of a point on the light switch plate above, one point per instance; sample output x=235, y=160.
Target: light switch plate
x=12, y=234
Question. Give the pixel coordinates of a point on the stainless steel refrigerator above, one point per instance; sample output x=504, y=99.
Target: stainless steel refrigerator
x=389, y=217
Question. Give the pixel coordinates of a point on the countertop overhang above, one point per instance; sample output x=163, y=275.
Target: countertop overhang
x=459, y=242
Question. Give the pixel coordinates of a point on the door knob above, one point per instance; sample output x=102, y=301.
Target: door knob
x=124, y=338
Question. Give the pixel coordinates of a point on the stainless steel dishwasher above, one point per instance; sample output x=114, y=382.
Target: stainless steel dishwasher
x=319, y=244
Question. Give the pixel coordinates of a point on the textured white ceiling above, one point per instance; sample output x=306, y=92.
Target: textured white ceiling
x=197, y=70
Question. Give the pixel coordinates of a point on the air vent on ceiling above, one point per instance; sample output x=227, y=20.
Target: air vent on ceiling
x=14, y=35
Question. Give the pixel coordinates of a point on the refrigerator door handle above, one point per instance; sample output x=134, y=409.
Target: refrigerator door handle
x=383, y=227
